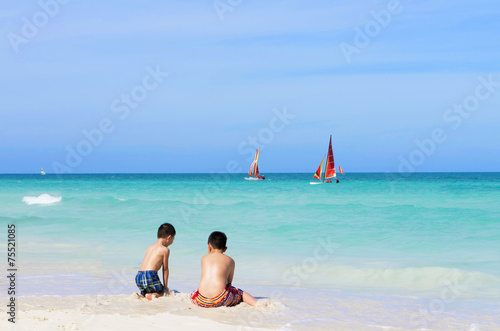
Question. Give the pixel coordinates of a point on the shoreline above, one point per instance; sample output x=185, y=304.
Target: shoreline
x=300, y=309
x=49, y=300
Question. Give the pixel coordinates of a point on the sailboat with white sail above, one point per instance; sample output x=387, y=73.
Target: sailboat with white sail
x=329, y=173
x=254, y=169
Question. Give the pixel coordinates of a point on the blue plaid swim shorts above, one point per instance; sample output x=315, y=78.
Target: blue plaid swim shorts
x=148, y=282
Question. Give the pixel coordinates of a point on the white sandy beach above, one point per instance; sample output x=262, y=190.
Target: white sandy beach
x=127, y=312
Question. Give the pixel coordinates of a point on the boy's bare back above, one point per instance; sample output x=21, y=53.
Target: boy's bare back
x=147, y=279
x=156, y=256
x=217, y=272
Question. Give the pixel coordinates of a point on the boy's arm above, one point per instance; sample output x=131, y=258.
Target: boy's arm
x=231, y=273
x=165, y=270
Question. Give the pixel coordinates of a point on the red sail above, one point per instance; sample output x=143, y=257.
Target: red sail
x=254, y=168
x=330, y=164
x=320, y=170
x=340, y=170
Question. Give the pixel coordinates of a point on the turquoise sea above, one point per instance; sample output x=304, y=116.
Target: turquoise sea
x=376, y=250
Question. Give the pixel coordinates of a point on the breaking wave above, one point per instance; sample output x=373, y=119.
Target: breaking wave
x=43, y=199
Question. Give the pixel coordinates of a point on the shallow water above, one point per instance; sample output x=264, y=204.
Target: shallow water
x=399, y=241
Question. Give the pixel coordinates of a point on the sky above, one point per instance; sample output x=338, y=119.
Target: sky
x=197, y=86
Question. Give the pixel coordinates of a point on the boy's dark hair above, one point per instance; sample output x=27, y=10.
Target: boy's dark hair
x=217, y=240
x=165, y=230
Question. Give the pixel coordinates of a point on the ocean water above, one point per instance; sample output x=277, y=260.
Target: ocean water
x=373, y=251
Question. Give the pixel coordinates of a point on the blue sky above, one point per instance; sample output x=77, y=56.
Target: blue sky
x=195, y=86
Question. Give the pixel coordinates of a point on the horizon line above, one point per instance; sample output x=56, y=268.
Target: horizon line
x=242, y=173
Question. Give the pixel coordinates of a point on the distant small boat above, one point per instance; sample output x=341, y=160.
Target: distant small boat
x=329, y=169
x=254, y=169
x=340, y=170
x=42, y=172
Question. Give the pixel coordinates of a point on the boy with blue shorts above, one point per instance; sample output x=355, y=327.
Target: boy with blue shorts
x=156, y=256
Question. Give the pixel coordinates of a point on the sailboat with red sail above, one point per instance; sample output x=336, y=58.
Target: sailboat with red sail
x=329, y=168
x=254, y=169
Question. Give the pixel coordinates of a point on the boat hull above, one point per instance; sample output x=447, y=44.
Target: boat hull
x=255, y=178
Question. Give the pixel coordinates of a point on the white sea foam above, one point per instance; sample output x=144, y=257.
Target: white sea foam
x=422, y=280
x=42, y=199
